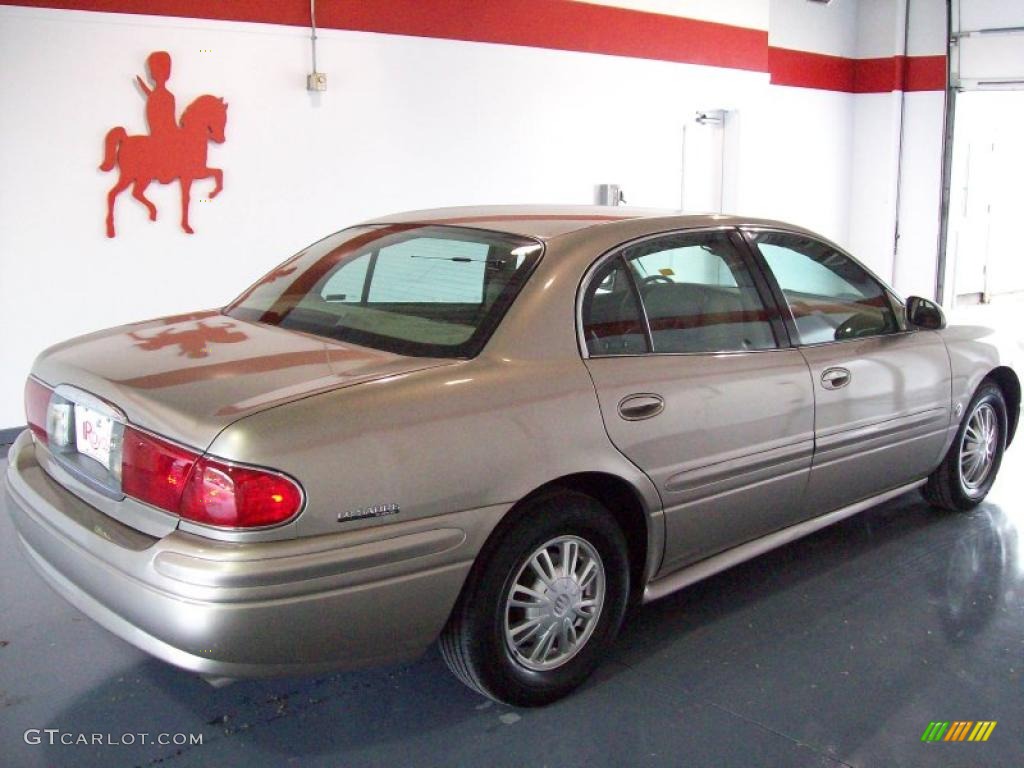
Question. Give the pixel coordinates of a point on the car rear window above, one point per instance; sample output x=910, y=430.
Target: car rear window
x=411, y=289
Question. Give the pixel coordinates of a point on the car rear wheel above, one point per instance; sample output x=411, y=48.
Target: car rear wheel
x=967, y=473
x=543, y=602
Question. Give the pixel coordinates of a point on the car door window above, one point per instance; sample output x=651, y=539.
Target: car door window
x=699, y=295
x=832, y=298
x=612, y=321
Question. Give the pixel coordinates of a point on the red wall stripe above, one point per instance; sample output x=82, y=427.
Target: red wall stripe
x=558, y=24
x=561, y=25
x=900, y=73
x=926, y=73
x=879, y=75
x=810, y=70
x=837, y=73
x=570, y=26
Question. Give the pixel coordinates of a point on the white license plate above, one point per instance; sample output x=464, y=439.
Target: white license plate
x=93, y=431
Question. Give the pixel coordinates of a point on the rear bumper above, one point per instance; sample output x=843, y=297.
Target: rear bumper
x=239, y=610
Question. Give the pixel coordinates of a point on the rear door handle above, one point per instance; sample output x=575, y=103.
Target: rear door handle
x=835, y=378
x=641, y=406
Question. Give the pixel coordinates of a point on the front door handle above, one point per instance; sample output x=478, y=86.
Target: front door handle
x=835, y=378
x=641, y=406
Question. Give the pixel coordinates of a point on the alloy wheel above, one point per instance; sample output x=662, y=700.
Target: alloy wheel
x=554, y=603
x=978, y=447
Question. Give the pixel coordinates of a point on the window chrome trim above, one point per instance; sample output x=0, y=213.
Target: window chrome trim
x=617, y=251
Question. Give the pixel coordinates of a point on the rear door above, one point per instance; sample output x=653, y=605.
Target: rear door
x=698, y=387
x=882, y=393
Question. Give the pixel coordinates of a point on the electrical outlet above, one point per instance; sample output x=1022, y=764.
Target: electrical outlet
x=316, y=81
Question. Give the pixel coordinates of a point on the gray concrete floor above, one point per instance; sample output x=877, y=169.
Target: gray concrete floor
x=835, y=650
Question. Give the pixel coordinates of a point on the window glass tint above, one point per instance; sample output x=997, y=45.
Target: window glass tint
x=416, y=290
x=612, y=323
x=831, y=296
x=430, y=269
x=690, y=264
x=347, y=283
x=699, y=295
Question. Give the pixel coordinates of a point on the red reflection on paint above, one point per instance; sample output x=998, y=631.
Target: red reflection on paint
x=191, y=342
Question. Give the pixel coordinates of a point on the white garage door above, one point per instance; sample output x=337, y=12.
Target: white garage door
x=988, y=50
x=984, y=259
x=987, y=196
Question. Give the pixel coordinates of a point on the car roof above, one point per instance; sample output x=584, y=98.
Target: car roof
x=549, y=221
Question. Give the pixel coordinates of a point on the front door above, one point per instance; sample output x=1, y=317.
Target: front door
x=882, y=393
x=697, y=389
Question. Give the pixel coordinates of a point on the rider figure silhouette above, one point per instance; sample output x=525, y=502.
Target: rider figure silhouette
x=160, y=111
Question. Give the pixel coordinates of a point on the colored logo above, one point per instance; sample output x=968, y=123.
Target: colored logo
x=959, y=730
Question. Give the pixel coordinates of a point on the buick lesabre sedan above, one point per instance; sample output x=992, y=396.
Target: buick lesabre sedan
x=496, y=427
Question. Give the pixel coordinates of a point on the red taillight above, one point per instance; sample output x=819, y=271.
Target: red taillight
x=203, y=489
x=153, y=470
x=37, y=401
x=238, y=497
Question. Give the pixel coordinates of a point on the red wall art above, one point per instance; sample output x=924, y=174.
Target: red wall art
x=173, y=149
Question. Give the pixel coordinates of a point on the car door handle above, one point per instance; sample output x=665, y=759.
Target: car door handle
x=641, y=406
x=835, y=378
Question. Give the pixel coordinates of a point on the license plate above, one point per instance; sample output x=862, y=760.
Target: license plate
x=93, y=432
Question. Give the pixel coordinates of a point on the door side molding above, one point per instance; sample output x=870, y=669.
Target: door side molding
x=701, y=570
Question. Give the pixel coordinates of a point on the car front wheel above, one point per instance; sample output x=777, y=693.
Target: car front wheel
x=967, y=473
x=542, y=604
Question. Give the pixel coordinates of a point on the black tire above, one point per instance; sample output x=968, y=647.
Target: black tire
x=946, y=487
x=474, y=644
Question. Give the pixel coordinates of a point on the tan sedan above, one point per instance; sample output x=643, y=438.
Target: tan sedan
x=496, y=426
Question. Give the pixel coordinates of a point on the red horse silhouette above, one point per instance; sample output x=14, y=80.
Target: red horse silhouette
x=191, y=342
x=166, y=155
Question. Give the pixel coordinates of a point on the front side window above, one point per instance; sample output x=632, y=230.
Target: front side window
x=699, y=295
x=832, y=298
x=410, y=289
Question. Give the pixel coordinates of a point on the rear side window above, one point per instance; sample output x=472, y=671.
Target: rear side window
x=699, y=295
x=612, y=322
x=411, y=289
x=831, y=297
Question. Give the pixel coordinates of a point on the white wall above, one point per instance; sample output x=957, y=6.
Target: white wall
x=881, y=162
x=920, y=195
x=795, y=159
x=804, y=26
x=874, y=148
x=406, y=123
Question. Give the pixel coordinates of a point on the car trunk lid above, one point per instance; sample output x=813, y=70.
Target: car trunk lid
x=187, y=377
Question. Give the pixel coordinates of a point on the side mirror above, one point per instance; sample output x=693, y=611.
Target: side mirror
x=925, y=314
